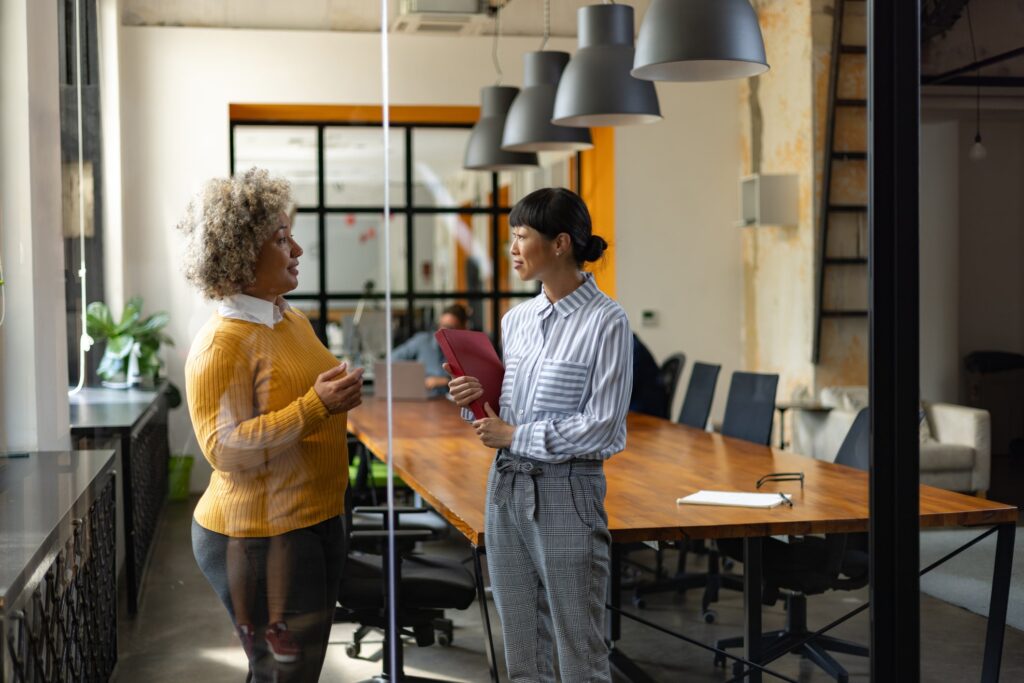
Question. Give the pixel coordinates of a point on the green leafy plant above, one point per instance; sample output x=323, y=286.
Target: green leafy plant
x=133, y=344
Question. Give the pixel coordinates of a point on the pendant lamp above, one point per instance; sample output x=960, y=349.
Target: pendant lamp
x=483, y=151
x=699, y=40
x=596, y=87
x=528, y=127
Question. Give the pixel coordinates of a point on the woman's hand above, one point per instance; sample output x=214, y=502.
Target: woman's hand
x=340, y=394
x=464, y=390
x=493, y=431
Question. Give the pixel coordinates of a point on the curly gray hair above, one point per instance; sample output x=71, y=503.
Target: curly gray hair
x=225, y=227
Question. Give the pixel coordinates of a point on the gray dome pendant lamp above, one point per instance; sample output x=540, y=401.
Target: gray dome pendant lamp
x=528, y=127
x=483, y=150
x=699, y=40
x=596, y=87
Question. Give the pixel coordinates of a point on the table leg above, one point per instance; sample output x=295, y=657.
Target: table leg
x=998, y=602
x=752, y=603
x=481, y=596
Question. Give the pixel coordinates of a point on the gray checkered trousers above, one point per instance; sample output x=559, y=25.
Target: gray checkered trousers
x=548, y=556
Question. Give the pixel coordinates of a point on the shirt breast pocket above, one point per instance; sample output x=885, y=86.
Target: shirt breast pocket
x=560, y=386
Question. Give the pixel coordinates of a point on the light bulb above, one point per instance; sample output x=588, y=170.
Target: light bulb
x=978, y=151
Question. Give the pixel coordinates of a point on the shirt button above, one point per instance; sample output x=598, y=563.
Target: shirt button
x=522, y=412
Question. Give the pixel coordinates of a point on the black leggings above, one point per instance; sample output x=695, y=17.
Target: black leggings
x=306, y=566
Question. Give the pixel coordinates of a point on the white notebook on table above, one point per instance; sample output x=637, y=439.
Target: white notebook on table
x=733, y=499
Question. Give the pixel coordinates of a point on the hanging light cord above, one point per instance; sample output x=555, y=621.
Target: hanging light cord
x=494, y=47
x=977, y=84
x=547, y=24
x=85, y=342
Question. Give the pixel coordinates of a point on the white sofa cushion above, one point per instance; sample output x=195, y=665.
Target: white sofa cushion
x=945, y=457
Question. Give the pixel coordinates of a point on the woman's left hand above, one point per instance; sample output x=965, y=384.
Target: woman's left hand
x=493, y=431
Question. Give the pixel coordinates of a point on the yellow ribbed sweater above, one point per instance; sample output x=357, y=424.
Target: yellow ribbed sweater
x=280, y=460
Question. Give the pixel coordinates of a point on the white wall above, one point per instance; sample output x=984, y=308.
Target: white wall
x=678, y=250
x=33, y=346
x=939, y=249
x=176, y=85
x=992, y=239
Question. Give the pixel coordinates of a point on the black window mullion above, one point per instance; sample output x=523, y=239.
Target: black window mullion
x=410, y=242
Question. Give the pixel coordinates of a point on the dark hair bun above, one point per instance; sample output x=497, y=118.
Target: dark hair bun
x=595, y=248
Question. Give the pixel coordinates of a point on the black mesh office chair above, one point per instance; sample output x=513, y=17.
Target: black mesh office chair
x=809, y=565
x=700, y=392
x=750, y=408
x=670, y=371
x=428, y=585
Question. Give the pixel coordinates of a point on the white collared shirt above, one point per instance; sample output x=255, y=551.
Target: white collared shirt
x=253, y=309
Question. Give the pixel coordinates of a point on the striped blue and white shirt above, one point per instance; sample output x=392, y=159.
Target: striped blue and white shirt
x=568, y=376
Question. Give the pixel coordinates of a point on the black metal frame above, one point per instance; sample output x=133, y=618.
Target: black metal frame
x=66, y=630
x=495, y=210
x=893, y=128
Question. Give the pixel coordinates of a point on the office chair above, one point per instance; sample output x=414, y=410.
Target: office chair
x=700, y=393
x=670, y=372
x=810, y=565
x=750, y=408
x=428, y=585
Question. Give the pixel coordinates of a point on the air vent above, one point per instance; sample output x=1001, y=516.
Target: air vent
x=450, y=17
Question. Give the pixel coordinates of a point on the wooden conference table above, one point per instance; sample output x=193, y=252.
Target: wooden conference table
x=439, y=456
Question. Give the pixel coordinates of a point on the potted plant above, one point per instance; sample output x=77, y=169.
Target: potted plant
x=132, y=349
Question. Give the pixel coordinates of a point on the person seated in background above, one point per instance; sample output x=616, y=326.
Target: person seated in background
x=423, y=347
x=649, y=395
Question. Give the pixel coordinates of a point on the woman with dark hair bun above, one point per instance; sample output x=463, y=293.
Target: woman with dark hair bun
x=562, y=412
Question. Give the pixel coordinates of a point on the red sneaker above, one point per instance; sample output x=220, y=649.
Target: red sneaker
x=246, y=633
x=281, y=643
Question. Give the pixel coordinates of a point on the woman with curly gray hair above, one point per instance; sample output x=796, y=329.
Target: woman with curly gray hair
x=268, y=404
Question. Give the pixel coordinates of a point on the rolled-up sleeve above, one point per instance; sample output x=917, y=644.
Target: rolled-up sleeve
x=599, y=430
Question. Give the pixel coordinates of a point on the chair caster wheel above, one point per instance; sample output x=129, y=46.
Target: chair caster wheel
x=444, y=639
x=639, y=602
x=709, y=616
x=728, y=564
x=352, y=650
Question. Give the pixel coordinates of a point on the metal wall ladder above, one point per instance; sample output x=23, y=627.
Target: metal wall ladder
x=828, y=259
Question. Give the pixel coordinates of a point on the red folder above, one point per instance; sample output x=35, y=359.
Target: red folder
x=471, y=353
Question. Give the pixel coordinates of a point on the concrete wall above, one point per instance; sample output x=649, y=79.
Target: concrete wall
x=778, y=262
x=176, y=85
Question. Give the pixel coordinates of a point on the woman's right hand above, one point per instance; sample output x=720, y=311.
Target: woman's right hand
x=340, y=394
x=464, y=389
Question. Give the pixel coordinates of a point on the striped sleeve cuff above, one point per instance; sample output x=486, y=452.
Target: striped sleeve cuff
x=522, y=439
